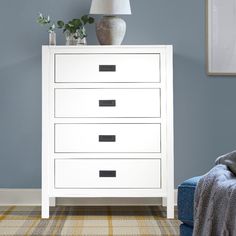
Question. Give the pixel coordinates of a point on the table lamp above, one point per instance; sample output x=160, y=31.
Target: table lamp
x=110, y=29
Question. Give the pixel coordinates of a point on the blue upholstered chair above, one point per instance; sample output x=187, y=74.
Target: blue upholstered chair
x=185, y=205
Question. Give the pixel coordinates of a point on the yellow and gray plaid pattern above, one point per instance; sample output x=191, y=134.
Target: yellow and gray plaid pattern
x=87, y=221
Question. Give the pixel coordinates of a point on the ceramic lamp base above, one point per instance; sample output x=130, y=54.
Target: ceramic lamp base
x=110, y=30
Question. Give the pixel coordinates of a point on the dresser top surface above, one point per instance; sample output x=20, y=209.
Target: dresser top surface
x=107, y=46
x=109, y=49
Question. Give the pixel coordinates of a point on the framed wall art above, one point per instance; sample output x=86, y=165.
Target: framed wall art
x=221, y=37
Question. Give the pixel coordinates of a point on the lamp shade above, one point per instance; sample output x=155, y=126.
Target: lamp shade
x=110, y=7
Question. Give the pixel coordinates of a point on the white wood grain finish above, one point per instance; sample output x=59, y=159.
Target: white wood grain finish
x=128, y=138
x=85, y=68
x=170, y=133
x=45, y=132
x=142, y=121
x=136, y=103
x=80, y=173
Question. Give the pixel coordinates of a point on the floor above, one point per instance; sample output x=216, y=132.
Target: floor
x=87, y=220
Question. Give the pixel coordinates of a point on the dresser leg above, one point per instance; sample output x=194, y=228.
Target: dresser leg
x=170, y=208
x=45, y=207
x=52, y=201
x=164, y=201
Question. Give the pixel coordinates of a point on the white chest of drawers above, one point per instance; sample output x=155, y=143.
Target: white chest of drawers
x=107, y=123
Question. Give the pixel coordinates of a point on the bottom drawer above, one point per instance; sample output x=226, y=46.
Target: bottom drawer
x=91, y=173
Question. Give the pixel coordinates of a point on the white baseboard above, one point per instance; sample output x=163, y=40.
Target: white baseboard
x=33, y=197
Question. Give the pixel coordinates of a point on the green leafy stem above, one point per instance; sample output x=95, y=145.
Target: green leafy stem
x=45, y=20
x=76, y=27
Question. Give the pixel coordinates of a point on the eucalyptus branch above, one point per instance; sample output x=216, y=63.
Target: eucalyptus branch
x=46, y=21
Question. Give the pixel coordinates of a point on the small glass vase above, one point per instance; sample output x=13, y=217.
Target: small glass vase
x=70, y=39
x=82, y=41
x=74, y=39
x=52, y=38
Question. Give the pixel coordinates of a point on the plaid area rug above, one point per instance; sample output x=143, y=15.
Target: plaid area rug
x=87, y=221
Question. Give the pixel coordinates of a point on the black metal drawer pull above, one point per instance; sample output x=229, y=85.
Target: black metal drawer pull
x=107, y=138
x=107, y=103
x=107, y=173
x=107, y=68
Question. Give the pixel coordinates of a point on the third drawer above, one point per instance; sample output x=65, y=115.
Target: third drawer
x=88, y=138
x=81, y=173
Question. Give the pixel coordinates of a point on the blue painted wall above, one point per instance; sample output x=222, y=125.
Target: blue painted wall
x=205, y=110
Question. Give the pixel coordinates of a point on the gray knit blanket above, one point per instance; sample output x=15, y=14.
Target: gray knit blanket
x=215, y=200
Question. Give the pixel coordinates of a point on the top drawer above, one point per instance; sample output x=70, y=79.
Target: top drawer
x=107, y=68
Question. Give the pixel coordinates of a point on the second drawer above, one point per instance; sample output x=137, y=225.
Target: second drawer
x=107, y=103
x=79, y=138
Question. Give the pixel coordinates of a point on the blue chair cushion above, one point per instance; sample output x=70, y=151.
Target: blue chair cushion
x=186, y=230
x=186, y=200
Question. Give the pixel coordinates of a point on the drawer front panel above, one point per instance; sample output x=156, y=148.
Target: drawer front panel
x=107, y=103
x=80, y=173
x=86, y=68
x=87, y=138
